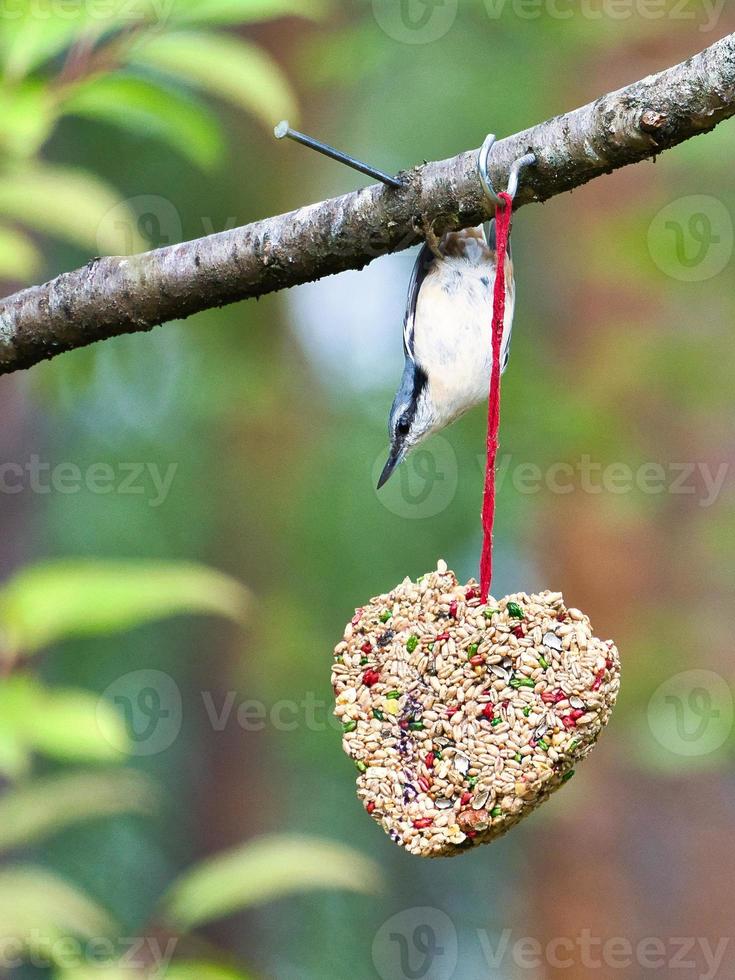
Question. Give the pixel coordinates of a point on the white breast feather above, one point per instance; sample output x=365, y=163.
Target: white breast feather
x=452, y=338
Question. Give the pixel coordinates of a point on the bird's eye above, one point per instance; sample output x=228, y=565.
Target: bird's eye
x=403, y=426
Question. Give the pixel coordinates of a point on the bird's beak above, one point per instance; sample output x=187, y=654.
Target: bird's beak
x=396, y=455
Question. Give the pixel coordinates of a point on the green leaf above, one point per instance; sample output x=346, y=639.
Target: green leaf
x=194, y=970
x=60, y=599
x=143, y=107
x=35, y=34
x=245, y=11
x=19, y=257
x=263, y=870
x=45, y=806
x=38, y=907
x=64, y=202
x=28, y=117
x=231, y=69
x=65, y=724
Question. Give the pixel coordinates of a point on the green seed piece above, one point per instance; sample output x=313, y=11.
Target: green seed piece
x=543, y=744
x=472, y=782
x=377, y=713
x=363, y=661
x=392, y=695
x=349, y=726
x=411, y=643
x=543, y=662
x=489, y=613
x=416, y=726
x=472, y=649
x=567, y=776
x=431, y=647
x=496, y=811
x=518, y=757
x=496, y=721
x=522, y=682
x=385, y=615
x=515, y=611
x=526, y=712
x=360, y=765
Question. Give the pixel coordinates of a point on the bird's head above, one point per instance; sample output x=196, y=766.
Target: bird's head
x=413, y=416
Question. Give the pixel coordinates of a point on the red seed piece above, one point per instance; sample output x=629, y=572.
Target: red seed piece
x=577, y=713
x=477, y=660
x=423, y=822
x=424, y=784
x=357, y=617
x=548, y=697
x=370, y=806
x=466, y=797
x=442, y=636
x=429, y=760
x=471, y=594
x=561, y=617
x=453, y=608
x=370, y=677
x=470, y=833
x=568, y=722
x=403, y=723
x=488, y=712
x=609, y=664
x=367, y=647
x=452, y=711
x=598, y=680
x=518, y=631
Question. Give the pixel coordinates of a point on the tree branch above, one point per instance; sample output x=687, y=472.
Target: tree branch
x=118, y=295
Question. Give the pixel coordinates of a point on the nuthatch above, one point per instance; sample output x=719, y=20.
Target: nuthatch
x=447, y=337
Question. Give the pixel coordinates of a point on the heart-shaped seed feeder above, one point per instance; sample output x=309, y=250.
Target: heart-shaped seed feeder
x=462, y=717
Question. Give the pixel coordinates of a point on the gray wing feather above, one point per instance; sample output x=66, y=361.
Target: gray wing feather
x=424, y=261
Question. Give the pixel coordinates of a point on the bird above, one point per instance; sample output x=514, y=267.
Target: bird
x=447, y=337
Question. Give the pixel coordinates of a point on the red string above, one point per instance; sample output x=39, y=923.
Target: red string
x=502, y=233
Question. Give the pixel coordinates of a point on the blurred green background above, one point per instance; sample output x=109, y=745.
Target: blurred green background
x=189, y=518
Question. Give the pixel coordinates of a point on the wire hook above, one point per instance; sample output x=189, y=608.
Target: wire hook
x=483, y=158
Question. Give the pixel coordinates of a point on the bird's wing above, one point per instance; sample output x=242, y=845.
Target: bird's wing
x=424, y=261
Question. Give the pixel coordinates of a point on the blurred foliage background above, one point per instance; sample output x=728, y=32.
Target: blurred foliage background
x=188, y=516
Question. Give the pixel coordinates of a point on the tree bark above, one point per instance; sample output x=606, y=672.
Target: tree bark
x=117, y=295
